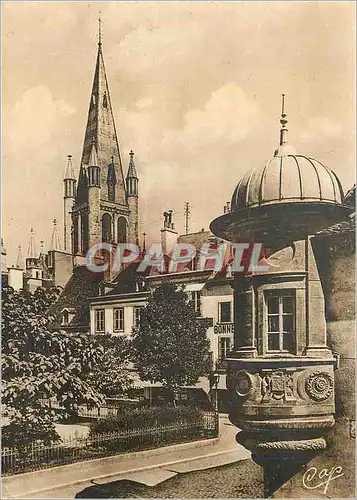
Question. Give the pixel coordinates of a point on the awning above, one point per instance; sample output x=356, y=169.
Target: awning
x=194, y=287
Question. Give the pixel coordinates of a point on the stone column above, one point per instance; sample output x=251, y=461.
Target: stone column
x=315, y=308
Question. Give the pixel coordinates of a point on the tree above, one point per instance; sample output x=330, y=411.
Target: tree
x=38, y=364
x=170, y=345
x=112, y=377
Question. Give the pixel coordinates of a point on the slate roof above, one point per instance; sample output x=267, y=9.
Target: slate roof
x=195, y=239
x=82, y=285
x=345, y=227
x=126, y=280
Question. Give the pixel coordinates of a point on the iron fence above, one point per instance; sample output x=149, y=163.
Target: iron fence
x=76, y=448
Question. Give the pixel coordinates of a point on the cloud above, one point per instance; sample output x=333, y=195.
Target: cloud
x=229, y=115
x=320, y=129
x=34, y=119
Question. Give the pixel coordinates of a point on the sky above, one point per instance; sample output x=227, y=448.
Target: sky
x=196, y=90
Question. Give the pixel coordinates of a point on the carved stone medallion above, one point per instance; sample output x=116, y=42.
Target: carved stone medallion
x=319, y=386
x=277, y=385
x=243, y=383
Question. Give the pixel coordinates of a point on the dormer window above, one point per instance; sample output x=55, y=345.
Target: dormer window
x=67, y=316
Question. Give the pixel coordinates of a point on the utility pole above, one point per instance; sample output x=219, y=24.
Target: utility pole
x=187, y=216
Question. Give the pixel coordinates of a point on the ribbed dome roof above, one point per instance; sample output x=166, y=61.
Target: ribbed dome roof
x=287, y=178
x=286, y=199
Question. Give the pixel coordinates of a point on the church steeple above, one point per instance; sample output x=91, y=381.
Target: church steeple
x=101, y=128
x=106, y=204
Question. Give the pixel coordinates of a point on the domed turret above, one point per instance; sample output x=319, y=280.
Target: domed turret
x=287, y=198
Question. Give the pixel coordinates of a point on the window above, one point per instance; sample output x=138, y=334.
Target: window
x=100, y=320
x=224, y=346
x=195, y=298
x=106, y=228
x=65, y=318
x=119, y=319
x=281, y=322
x=122, y=228
x=137, y=313
x=225, y=312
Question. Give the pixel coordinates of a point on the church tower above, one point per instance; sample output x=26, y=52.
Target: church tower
x=102, y=206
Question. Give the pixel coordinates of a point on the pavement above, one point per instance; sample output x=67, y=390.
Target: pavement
x=149, y=468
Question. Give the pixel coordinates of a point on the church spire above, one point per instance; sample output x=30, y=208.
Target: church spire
x=132, y=168
x=31, y=252
x=20, y=259
x=69, y=174
x=55, y=242
x=100, y=29
x=101, y=127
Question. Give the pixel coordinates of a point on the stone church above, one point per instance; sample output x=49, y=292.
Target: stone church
x=101, y=205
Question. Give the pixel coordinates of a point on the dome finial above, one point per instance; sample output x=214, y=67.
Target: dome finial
x=284, y=148
x=283, y=121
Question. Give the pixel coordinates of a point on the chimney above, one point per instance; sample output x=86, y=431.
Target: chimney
x=227, y=208
x=168, y=233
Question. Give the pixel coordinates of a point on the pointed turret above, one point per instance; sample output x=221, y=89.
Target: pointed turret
x=101, y=128
x=132, y=189
x=69, y=174
x=31, y=251
x=68, y=201
x=132, y=177
x=16, y=273
x=33, y=265
x=20, y=259
x=132, y=169
x=55, y=242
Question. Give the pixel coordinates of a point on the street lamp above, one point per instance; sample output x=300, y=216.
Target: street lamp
x=214, y=381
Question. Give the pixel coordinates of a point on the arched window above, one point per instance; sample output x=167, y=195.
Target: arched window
x=84, y=232
x=122, y=230
x=106, y=228
x=75, y=234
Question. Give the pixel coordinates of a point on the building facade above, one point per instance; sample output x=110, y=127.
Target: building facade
x=100, y=204
x=116, y=309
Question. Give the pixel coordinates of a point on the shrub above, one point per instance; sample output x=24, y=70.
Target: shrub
x=134, y=418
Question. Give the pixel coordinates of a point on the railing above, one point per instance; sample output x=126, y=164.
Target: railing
x=36, y=456
x=89, y=413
